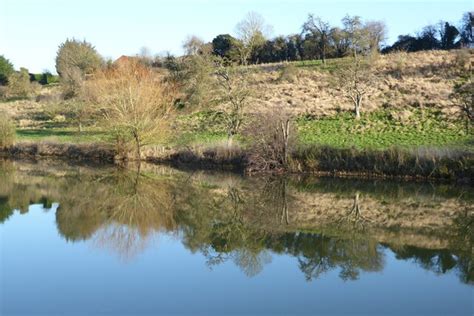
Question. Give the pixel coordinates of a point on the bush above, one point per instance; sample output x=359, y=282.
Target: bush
x=6, y=69
x=7, y=131
x=272, y=138
x=74, y=61
x=48, y=78
x=19, y=84
x=289, y=73
x=462, y=59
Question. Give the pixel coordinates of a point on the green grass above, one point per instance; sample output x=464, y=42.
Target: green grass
x=379, y=130
x=62, y=135
x=200, y=128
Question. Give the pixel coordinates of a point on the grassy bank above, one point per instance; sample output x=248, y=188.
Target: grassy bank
x=377, y=130
x=384, y=129
x=405, y=144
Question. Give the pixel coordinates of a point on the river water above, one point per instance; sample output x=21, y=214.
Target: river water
x=94, y=240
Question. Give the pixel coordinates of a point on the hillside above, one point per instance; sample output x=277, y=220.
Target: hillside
x=415, y=80
x=410, y=105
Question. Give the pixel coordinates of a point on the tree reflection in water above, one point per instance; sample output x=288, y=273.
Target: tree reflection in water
x=325, y=224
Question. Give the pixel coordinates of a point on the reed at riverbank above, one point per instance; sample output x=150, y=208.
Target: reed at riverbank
x=453, y=165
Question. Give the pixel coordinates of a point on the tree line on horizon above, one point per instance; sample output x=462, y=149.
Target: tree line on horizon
x=321, y=40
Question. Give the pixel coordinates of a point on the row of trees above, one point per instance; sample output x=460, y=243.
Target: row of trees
x=320, y=40
x=317, y=40
x=441, y=36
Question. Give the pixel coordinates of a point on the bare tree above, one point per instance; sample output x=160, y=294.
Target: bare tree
x=252, y=32
x=321, y=30
x=356, y=81
x=272, y=139
x=376, y=32
x=233, y=93
x=354, y=215
x=354, y=32
x=135, y=103
x=145, y=56
x=193, y=45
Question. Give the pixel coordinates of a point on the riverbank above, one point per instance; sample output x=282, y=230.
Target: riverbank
x=448, y=165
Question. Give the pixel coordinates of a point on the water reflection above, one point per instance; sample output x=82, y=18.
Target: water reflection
x=325, y=225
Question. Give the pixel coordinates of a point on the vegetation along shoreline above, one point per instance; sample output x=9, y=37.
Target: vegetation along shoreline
x=428, y=164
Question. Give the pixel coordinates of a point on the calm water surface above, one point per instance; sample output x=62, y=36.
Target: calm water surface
x=82, y=240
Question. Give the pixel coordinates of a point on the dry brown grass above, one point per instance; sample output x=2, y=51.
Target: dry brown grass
x=422, y=79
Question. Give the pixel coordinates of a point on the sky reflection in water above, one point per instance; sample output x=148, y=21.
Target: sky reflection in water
x=84, y=240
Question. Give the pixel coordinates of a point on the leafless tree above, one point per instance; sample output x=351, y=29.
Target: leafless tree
x=356, y=81
x=252, y=32
x=193, y=45
x=135, y=103
x=321, y=30
x=376, y=32
x=233, y=94
x=272, y=139
x=354, y=214
x=354, y=31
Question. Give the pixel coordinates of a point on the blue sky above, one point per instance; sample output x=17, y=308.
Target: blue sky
x=31, y=30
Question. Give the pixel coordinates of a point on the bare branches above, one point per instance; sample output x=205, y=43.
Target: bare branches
x=273, y=137
x=356, y=81
x=233, y=92
x=252, y=32
x=135, y=103
x=321, y=31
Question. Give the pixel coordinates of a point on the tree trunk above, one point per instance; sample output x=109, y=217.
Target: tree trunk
x=80, y=127
x=230, y=139
x=285, y=128
x=357, y=107
x=323, y=55
x=138, y=147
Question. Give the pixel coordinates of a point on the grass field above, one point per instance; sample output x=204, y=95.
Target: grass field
x=62, y=135
x=377, y=130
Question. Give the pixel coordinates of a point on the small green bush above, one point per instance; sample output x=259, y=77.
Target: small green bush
x=7, y=131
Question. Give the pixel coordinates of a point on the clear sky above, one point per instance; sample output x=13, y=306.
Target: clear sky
x=31, y=30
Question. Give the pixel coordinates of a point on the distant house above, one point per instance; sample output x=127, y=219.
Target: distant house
x=123, y=60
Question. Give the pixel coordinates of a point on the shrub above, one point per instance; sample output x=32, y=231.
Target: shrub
x=399, y=63
x=6, y=69
x=272, y=138
x=462, y=59
x=74, y=61
x=19, y=84
x=289, y=73
x=7, y=131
